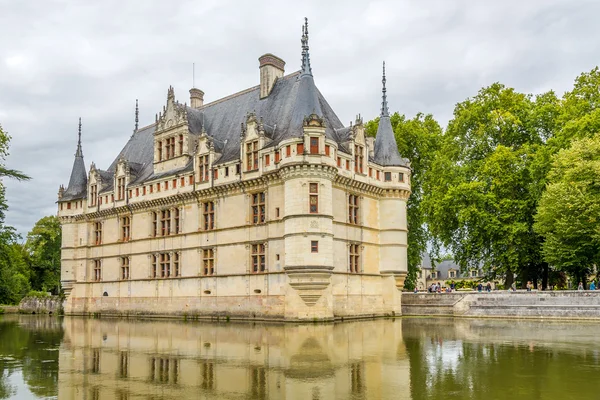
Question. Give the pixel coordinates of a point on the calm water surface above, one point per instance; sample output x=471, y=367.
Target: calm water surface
x=75, y=358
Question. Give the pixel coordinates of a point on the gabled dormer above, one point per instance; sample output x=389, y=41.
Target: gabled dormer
x=313, y=127
x=205, y=157
x=252, y=139
x=121, y=178
x=94, y=186
x=172, y=142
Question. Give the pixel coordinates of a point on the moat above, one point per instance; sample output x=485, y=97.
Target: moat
x=410, y=358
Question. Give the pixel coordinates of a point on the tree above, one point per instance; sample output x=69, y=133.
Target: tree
x=569, y=212
x=43, y=246
x=479, y=198
x=4, y=171
x=418, y=139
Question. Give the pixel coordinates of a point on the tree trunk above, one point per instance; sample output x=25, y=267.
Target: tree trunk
x=545, y=272
x=509, y=279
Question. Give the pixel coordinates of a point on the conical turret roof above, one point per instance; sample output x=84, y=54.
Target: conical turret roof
x=78, y=182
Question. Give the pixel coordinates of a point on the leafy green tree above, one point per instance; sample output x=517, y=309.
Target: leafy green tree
x=479, y=198
x=418, y=139
x=4, y=171
x=569, y=211
x=43, y=245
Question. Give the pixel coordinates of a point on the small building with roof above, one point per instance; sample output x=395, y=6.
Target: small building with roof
x=262, y=204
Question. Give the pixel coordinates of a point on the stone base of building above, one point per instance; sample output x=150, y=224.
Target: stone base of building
x=271, y=296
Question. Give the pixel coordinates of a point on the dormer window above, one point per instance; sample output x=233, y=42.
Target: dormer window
x=93, y=194
x=358, y=159
x=170, y=148
x=314, y=145
x=160, y=150
x=252, y=155
x=204, y=168
x=120, y=188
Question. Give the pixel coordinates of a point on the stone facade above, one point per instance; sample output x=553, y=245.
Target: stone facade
x=293, y=216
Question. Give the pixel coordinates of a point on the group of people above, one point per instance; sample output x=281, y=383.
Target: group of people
x=592, y=286
x=437, y=288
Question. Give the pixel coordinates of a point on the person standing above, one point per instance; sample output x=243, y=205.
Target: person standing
x=593, y=285
x=479, y=287
x=580, y=287
x=529, y=286
x=488, y=287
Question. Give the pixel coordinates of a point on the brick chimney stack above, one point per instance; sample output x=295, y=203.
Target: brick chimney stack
x=271, y=68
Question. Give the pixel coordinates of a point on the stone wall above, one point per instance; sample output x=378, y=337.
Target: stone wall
x=41, y=305
x=560, y=304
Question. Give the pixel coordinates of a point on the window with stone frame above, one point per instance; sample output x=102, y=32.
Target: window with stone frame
x=180, y=144
x=208, y=215
x=204, y=170
x=354, y=258
x=165, y=222
x=155, y=217
x=313, y=197
x=170, y=148
x=387, y=176
x=258, y=208
x=165, y=265
x=121, y=188
x=176, y=221
x=327, y=150
x=125, y=228
x=154, y=271
x=93, y=194
x=97, y=233
x=160, y=150
x=258, y=258
x=314, y=246
x=97, y=270
x=353, y=209
x=300, y=148
x=452, y=274
x=208, y=262
x=359, y=159
x=176, y=264
x=124, y=268
x=252, y=155
x=401, y=177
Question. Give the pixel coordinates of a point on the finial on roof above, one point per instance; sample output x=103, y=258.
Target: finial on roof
x=384, y=106
x=79, y=152
x=306, y=69
x=137, y=115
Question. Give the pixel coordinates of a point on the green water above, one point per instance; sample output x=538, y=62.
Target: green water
x=76, y=358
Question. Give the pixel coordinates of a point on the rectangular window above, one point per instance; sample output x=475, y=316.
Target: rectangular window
x=203, y=168
x=130, y=193
x=252, y=155
x=137, y=192
x=112, y=198
x=125, y=228
x=313, y=190
x=377, y=175
x=353, y=209
x=258, y=257
x=120, y=188
x=401, y=177
x=258, y=208
x=215, y=174
x=154, y=224
x=176, y=224
x=174, y=184
x=452, y=274
x=237, y=169
x=277, y=157
x=314, y=145
x=93, y=194
x=277, y=212
x=354, y=258
x=314, y=246
x=288, y=150
x=176, y=269
x=339, y=162
x=166, y=185
x=370, y=172
x=165, y=265
x=182, y=182
x=151, y=188
x=170, y=148
x=191, y=180
x=98, y=233
x=208, y=262
x=267, y=160
x=165, y=222
x=348, y=165
x=226, y=171
x=358, y=159
x=124, y=268
x=300, y=148
x=388, y=176
x=158, y=187
x=327, y=150
x=160, y=150
x=180, y=144
x=154, y=266
x=97, y=270
x=208, y=215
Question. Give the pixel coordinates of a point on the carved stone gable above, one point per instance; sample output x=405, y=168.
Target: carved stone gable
x=314, y=120
x=173, y=114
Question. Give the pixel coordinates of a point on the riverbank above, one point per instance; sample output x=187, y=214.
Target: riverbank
x=502, y=304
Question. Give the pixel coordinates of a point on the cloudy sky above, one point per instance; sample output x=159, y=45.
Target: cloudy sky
x=60, y=60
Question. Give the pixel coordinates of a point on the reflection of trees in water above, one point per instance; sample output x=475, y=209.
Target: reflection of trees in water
x=444, y=365
x=31, y=344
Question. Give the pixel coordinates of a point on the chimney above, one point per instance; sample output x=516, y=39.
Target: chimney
x=271, y=67
x=371, y=146
x=196, y=98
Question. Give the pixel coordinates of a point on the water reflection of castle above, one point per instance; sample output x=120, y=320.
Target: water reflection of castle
x=113, y=359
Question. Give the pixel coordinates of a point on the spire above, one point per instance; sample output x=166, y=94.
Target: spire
x=386, y=149
x=78, y=181
x=137, y=115
x=306, y=70
x=79, y=152
x=384, y=106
